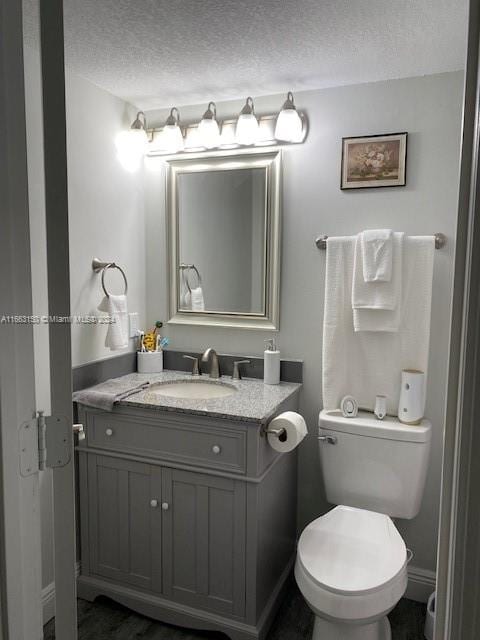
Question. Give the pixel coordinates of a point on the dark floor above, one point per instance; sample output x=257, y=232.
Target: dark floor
x=106, y=620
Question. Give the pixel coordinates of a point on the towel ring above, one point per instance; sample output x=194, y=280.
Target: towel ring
x=98, y=265
x=185, y=269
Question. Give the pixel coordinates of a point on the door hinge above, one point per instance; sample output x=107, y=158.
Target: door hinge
x=45, y=442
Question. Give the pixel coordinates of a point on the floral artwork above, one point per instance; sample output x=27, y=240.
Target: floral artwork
x=374, y=161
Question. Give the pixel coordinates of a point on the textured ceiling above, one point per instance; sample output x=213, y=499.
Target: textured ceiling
x=156, y=53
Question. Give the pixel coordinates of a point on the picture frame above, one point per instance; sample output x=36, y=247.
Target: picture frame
x=374, y=161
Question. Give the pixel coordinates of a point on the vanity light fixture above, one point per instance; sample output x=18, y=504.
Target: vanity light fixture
x=247, y=130
x=208, y=129
x=132, y=144
x=172, y=134
x=289, y=127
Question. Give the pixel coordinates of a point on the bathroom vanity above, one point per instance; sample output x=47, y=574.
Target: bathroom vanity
x=187, y=514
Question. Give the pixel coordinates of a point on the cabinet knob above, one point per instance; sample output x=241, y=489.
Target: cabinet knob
x=154, y=503
x=109, y=431
x=165, y=506
x=216, y=449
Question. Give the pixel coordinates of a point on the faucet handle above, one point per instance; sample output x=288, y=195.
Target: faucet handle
x=195, y=367
x=236, y=369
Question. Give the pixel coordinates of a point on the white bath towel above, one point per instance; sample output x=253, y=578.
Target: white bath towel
x=117, y=332
x=367, y=364
x=377, y=254
x=198, y=303
x=379, y=294
x=377, y=306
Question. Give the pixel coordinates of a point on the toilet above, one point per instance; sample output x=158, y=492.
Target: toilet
x=351, y=564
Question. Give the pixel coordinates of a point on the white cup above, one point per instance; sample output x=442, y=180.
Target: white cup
x=411, y=407
x=149, y=361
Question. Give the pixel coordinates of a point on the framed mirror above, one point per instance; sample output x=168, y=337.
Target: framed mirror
x=224, y=219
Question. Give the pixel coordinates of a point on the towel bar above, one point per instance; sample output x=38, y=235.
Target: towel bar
x=440, y=241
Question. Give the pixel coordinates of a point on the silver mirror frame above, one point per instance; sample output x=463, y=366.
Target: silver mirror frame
x=269, y=159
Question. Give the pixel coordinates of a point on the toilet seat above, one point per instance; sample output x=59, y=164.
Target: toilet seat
x=351, y=564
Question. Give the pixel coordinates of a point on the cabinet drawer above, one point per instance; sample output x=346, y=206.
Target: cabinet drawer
x=195, y=444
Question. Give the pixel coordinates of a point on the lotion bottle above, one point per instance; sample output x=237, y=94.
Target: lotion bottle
x=271, y=363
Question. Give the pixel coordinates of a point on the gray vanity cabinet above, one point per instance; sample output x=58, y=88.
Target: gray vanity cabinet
x=124, y=530
x=204, y=541
x=187, y=519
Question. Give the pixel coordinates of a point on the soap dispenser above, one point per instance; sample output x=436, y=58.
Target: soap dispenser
x=271, y=364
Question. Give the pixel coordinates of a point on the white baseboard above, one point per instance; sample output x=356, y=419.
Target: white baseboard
x=421, y=583
x=48, y=598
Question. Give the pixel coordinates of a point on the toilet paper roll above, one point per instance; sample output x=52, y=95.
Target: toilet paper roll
x=295, y=431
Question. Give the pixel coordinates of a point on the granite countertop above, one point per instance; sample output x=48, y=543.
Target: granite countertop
x=253, y=402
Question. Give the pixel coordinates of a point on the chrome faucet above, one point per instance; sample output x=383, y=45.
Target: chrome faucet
x=211, y=354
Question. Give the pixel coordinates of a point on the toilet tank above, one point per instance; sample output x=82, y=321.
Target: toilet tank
x=379, y=465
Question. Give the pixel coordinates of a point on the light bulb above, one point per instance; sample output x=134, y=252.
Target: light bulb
x=289, y=127
x=208, y=129
x=247, y=131
x=131, y=147
x=172, y=139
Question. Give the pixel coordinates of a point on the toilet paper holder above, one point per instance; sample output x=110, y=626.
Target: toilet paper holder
x=273, y=431
x=327, y=439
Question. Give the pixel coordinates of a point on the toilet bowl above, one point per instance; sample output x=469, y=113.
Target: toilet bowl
x=351, y=568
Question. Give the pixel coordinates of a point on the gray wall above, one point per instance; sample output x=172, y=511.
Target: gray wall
x=106, y=212
x=429, y=108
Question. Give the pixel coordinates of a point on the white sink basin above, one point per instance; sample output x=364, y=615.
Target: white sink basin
x=193, y=389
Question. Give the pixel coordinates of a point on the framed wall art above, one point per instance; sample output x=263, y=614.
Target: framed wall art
x=374, y=161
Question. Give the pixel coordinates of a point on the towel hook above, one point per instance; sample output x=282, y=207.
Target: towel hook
x=98, y=265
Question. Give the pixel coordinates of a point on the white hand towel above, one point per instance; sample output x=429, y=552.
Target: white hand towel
x=366, y=364
x=379, y=294
x=198, y=303
x=117, y=333
x=377, y=254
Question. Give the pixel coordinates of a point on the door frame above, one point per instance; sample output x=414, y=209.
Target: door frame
x=20, y=581
x=58, y=274
x=458, y=571
x=20, y=555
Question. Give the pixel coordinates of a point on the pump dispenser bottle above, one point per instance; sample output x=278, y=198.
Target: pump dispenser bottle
x=271, y=365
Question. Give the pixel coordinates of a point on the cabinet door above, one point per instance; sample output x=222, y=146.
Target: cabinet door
x=204, y=541
x=125, y=521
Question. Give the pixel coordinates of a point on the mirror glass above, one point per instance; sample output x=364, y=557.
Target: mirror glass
x=223, y=215
x=221, y=241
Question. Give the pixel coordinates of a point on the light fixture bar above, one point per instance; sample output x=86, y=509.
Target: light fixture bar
x=266, y=125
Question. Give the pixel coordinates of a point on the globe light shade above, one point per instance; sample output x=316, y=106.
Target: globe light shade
x=208, y=129
x=131, y=147
x=247, y=130
x=209, y=133
x=172, y=138
x=289, y=126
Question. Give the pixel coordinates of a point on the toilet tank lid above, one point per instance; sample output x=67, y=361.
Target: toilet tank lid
x=366, y=424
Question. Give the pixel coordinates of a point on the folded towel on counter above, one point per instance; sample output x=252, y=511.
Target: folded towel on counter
x=365, y=364
x=377, y=254
x=117, y=332
x=198, y=303
x=378, y=295
x=104, y=395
